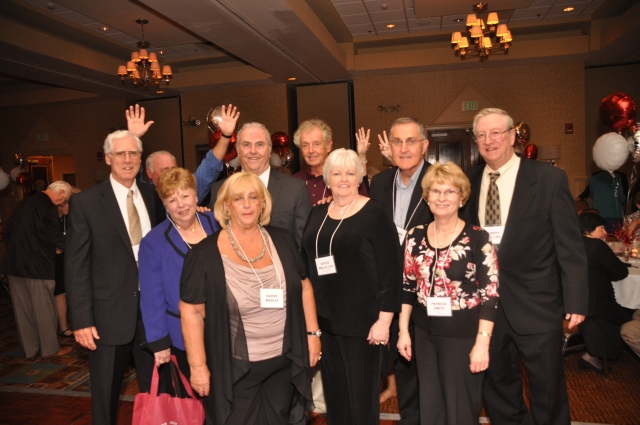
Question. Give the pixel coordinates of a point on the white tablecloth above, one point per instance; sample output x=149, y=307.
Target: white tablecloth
x=628, y=289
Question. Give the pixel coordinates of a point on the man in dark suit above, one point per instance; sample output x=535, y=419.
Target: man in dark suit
x=399, y=189
x=527, y=208
x=106, y=224
x=291, y=203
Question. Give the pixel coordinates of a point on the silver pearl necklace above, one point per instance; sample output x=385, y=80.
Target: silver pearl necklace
x=240, y=254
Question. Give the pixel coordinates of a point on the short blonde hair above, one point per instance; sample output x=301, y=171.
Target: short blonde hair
x=448, y=172
x=173, y=179
x=490, y=111
x=220, y=209
x=340, y=158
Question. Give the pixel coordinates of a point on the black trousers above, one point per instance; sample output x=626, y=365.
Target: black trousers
x=449, y=393
x=263, y=396
x=406, y=378
x=351, y=370
x=542, y=356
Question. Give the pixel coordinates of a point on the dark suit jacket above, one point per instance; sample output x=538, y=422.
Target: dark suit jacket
x=100, y=268
x=382, y=188
x=290, y=200
x=543, y=265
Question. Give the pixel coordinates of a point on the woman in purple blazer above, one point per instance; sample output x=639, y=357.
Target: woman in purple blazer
x=161, y=256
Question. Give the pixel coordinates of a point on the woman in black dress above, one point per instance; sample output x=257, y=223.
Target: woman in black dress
x=355, y=267
x=601, y=328
x=451, y=292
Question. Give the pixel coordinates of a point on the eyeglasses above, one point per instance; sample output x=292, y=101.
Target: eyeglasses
x=449, y=193
x=123, y=154
x=493, y=135
x=410, y=142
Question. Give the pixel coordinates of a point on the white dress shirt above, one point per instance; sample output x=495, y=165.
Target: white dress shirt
x=506, y=184
x=121, y=193
x=265, y=176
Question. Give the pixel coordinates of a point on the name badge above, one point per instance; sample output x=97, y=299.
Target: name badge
x=495, y=232
x=401, y=234
x=437, y=306
x=326, y=265
x=271, y=298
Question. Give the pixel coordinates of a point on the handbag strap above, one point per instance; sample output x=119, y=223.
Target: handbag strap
x=185, y=382
x=155, y=378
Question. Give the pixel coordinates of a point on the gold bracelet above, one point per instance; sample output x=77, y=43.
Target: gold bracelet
x=483, y=333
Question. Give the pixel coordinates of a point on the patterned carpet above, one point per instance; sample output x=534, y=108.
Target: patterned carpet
x=592, y=398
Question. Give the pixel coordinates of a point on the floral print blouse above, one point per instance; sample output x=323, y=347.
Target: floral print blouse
x=468, y=274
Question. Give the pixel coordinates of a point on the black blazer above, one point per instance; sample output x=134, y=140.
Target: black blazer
x=100, y=268
x=382, y=187
x=542, y=260
x=290, y=200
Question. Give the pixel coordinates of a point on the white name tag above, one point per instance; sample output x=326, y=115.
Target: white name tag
x=401, y=234
x=437, y=306
x=326, y=265
x=271, y=298
x=495, y=232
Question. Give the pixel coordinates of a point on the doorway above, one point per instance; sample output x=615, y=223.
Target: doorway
x=453, y=144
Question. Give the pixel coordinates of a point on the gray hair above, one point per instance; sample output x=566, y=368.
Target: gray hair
x=407, y=120
x=247, y=125
x=120, y=134
x=340, y=158
x=310, y=124
x=149, y=162
x=489, y=111
x=60, y=185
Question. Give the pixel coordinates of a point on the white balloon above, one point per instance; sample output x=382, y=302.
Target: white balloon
x=4, y=179
x=15, y=171
x=275, y=160
x=610, y=151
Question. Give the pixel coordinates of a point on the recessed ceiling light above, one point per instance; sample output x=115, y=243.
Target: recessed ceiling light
x=458, y=20
x=159, y=91
x=161, y=52
x=568, y=9
x=391, y=25
x=423, y=23
x=291, y=78
x=105, y=28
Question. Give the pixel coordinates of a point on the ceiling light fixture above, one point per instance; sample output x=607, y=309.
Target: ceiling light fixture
x=143, y=68
x=481, y=34
x=105, y=28
x=391, y=26
x=568, y=9
x=291, y=78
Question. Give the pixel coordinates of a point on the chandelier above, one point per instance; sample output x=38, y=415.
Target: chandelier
x=482, y=34
x=143, y=68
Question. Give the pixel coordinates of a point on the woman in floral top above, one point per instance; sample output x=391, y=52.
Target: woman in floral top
x=451, y=293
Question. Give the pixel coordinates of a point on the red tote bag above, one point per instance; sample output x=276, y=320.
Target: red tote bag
x=163, y=409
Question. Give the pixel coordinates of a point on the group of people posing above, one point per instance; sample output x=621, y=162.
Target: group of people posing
x=253, y=295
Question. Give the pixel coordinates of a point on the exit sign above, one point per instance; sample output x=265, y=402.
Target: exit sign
x=471, y=105
x=42, y=138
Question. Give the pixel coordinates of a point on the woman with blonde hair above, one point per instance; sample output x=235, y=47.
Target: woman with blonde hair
x=250, y=359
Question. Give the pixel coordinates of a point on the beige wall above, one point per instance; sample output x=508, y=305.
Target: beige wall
x=545, y=96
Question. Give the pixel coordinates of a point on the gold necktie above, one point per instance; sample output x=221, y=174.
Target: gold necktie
x=135, y=229
x=492, y=213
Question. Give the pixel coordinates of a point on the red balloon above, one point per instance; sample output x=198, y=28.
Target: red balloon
x=231, y=149
x=1, y=235
x=230, y=155
x=24, y=180
x=618, y=111
x=279, y=140
x=530, y=151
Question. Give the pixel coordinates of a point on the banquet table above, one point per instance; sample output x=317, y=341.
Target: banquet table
x=628, y=289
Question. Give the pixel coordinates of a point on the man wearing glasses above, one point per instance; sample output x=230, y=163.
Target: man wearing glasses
x=291, y=204
x=106, y=224
x=399, y=190
x=527, y=208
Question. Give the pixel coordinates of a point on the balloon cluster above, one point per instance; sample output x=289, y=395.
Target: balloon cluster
x=214, y=117
x=523, y=134
x=281, y=155
x=618, y=112
x=18, y=173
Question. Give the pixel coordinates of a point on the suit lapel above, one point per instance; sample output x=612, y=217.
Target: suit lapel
x=109, y=204
x=522, y=198
x=416, y=197
x=389, y=188
x=274, y=185
x=175, y=240
x=149, y=203
x=474, y=199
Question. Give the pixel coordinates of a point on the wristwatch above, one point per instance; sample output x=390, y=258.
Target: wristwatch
x=316, y=333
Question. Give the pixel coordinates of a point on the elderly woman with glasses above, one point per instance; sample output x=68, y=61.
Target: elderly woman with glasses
x=451, y=292
x=248, y=314
x=355, y=265
x=161, y=256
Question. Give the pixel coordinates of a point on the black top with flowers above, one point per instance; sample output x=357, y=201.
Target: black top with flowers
x=468, y=273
